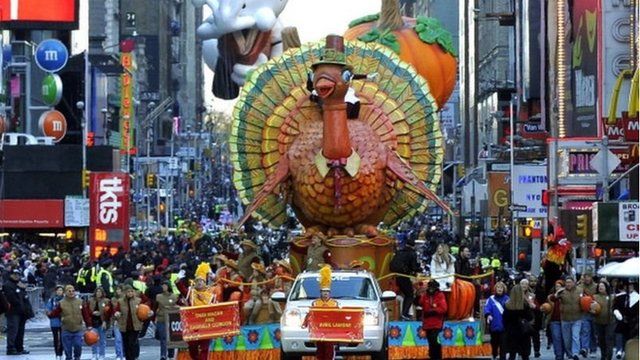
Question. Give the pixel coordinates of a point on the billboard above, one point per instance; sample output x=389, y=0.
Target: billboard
x=584, y=71
x=529, y=181
x=499, y=193
x=31, y=214
x=616, y=221
x=39, y=14
x=109, y=212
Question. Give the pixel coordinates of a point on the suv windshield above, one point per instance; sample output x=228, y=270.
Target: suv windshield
x=342, y=287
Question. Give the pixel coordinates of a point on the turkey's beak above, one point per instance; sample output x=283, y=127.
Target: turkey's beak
x=324, y=87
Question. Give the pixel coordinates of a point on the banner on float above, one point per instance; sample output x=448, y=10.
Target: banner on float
x=336, y=324
x=210, y=321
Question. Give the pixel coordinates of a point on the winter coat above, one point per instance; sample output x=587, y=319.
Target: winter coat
x=16, y=297
x=440, y=269
x=52, y=304
x=495, y=307
x=569, y=304
x=434, y=309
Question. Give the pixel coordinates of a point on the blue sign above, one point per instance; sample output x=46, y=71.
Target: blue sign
x=51, y=55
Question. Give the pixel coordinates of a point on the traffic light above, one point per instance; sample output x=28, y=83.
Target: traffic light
x=581, y=226
x=151, y=180
x=85, y=178
x=527, y=228
x=90, y=139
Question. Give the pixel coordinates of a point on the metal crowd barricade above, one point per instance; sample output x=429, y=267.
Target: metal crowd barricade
x=34, y=294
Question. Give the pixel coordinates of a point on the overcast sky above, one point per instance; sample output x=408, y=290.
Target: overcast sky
x=314, y=20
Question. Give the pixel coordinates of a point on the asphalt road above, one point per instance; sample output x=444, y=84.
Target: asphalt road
x=40, y=343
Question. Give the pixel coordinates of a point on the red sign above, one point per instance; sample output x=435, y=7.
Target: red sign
x=210, y=321
x=615, y=132
x=39, y=14
x=31, y=214
x=336, y=324
x=109, y=212
x=631, y=127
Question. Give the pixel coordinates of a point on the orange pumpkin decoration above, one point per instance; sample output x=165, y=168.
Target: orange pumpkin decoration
x=421, y=42
x=595, y=308
x=461, y=300
x=585, y=303
x=143, y=312
x=546, y=308
x=91, y=337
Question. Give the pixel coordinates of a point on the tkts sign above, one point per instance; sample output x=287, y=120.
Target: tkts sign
x=109, y=204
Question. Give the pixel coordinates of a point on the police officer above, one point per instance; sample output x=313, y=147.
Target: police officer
x=18, y=313
x=104, y=278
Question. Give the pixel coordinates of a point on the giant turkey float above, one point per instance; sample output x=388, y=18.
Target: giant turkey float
x=345, y=133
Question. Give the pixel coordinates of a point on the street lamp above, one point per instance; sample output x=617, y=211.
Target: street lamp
x=83, y=126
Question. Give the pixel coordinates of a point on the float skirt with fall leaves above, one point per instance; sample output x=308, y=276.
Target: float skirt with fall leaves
x=407, y=340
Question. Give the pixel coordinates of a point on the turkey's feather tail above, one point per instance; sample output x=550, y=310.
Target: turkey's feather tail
x=405, y=174
x=276, y=178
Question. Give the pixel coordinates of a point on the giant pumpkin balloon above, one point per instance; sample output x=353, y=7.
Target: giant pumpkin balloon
x=422, y=42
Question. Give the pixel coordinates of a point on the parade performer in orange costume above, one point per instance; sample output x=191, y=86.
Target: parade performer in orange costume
x=200, y=294
x=325, y=350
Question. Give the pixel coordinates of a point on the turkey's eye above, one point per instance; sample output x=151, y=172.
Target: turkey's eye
x=347, y=75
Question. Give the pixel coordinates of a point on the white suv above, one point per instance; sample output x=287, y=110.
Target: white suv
x=349, y=288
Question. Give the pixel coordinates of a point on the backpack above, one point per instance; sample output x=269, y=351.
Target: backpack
x=397, y=265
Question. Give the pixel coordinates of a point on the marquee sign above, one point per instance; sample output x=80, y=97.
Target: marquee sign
x=39, y=14
x=127, y=110
x=109, y=212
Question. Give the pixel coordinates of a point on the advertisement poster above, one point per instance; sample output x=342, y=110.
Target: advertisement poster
x=109, y=212
x=628, y=221
x=210, y=321
x=499, y=193
x=584, y=71
x=529, y=181
x=336, y=324
x=174, y=329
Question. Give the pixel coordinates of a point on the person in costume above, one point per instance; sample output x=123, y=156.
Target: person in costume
x=325, y=349
x=282, y=271
x=222, y=273
x=253, y=305
x=317, y=253
x=200, y=295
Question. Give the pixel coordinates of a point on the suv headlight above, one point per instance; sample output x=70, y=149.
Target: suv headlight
x=292, y=318
x=371, y=317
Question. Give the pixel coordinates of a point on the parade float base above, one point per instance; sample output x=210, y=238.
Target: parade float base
x=407, y=340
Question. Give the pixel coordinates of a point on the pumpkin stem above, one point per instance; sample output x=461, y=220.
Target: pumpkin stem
x=290, y=38
x=390, y=18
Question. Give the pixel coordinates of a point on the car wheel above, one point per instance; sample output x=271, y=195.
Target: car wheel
x=286, y=356
x=383, y=354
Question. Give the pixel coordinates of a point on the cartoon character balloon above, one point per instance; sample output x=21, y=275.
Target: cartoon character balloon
x=238, y=37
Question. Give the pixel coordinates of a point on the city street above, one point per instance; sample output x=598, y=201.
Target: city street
x=400, y=179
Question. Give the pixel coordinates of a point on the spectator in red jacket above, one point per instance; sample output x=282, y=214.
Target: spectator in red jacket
x=434, y=309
